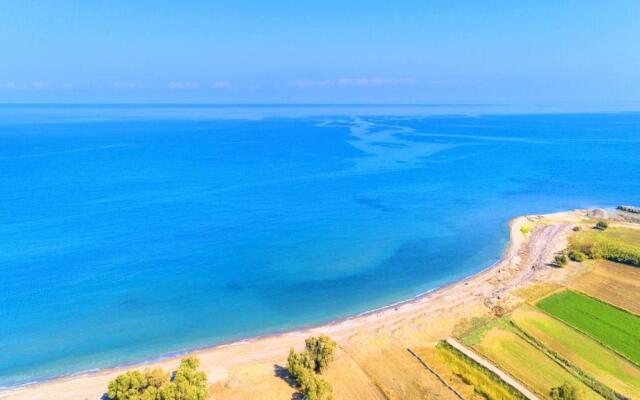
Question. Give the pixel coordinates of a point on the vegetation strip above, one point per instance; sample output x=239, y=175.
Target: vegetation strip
x=617, y=245
x=585, y=378
x=612, y=327
x=507, y=379
x=424, y=363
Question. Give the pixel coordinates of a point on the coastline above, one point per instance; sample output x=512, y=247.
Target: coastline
x=218, y=360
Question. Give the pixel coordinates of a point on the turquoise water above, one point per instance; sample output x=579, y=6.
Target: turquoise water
x=130, y=233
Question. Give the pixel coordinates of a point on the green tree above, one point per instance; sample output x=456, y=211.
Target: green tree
x=320, y=349
x=187, y=383
x=297, y=362
x=602, y=225
x=303, y=367
x=314, y=387
x=137, y=385
x=566, y=391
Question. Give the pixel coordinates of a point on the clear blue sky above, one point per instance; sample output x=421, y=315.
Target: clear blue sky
x=325, y=51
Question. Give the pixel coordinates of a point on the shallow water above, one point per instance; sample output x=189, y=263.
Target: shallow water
x=128, y=235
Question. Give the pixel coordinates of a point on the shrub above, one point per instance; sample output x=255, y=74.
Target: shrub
x=525, y=229
x=576, y=228
x=577, y=255
x=560, y=260
x=564, y=392
x=602, y=225
x=187, y=383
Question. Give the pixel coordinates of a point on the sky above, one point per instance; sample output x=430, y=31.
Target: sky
x=319, y=52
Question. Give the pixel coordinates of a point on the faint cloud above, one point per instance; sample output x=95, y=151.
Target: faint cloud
x=126, y=85
x=221, y=85
x=351, y=82
x=39, y=85
x=11, y=85
x=180, y=85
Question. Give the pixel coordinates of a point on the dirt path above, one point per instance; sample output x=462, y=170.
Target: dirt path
x=491, y=367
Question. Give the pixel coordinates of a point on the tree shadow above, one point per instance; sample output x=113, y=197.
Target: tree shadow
x=282, y=373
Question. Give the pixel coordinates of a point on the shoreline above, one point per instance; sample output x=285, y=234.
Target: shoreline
x=95, y=380
x=180, y=353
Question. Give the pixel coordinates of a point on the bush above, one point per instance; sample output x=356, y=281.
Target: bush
x=564, y=392
x=576, y=229
x=602, y=225
x=577, y=255
x=561, y=260
x=525, y=229
x=187, y=383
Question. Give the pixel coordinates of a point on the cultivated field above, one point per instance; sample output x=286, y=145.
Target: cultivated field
x=599, y=362
x=614, y=283
x=610, y=326
x=524, y=362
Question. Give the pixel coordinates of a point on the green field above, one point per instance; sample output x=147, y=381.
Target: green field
x=524, y=362
x=610, y=326
x=601, y=363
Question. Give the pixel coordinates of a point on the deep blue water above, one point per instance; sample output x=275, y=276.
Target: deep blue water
x=126, y=236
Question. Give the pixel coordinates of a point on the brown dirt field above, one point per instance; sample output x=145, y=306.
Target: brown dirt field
x=613, y=283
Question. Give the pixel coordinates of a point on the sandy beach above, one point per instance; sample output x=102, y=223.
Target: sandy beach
x=372, y=346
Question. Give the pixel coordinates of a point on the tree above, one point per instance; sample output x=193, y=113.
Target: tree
x=303, y=367
x=320, y=349
x=314, y=387
x=297, y=362
x=137, y=385
x=566, y=391
x=602, y=225
x=187, y=383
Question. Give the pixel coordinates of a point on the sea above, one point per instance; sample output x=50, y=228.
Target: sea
x=134, y=232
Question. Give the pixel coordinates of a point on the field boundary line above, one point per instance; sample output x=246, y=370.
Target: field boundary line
x=508, y=379
x=441, y=379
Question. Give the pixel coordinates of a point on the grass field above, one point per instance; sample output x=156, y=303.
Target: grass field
x=614, y=283
x=525, y=363
x=601, y=363
x=611, y=326
x=625, y=235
